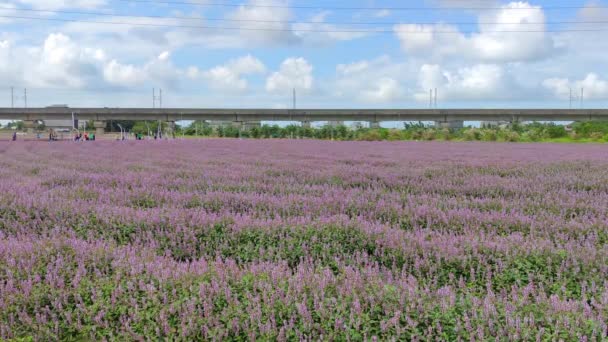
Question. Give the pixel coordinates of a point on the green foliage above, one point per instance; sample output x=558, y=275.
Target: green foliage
x=147, y=127
x=489, y=135
x=112, y=125
x=508, y=135
x=515, y=132
x=370, y=136
x=555, y=131
x=472, y=134
x=197, y=128
x=586, y=128
x=19, y=125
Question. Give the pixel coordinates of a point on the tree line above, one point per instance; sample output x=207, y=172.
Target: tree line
x=516, y=132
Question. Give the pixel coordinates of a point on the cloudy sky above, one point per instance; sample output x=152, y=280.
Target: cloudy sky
x=338, y=53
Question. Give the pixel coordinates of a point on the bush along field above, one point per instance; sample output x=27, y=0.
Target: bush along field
x=303, y=240
x=584, y=132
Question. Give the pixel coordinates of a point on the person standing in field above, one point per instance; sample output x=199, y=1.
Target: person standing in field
x=14, y=136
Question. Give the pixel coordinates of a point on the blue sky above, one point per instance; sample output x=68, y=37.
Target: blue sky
x=467, y=49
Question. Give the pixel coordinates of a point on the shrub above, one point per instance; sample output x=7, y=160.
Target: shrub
x=372, y=135
x=596, y=135
x=555, y=131
x=429, y=134
x=471, y=134
x=445, y=134
x=532, y=135
x=512, y=137
x=488, y=135
x=588, y=127
x=394, y=134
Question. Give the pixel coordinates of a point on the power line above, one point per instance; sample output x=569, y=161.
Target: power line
x=359, y=8
x=285, y=30
x=291, y=21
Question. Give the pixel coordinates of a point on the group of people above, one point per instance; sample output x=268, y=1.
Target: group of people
x=85, y=137
x=88, y=137
x=52, y=135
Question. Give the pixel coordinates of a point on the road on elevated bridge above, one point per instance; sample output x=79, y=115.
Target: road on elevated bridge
x=303, y=115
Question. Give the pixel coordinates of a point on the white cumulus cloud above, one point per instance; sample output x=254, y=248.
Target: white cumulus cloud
x=594, y=87
x=229, y=77
x=293, y=73
x=383, y=90
x=62, y=62
x=516, y=32
x=123, y=74
x=379, y=80
x=478, y=82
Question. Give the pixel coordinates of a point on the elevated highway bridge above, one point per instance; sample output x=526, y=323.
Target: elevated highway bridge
x=444, y=117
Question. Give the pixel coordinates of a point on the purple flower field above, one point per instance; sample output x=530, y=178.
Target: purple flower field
x=303, y=240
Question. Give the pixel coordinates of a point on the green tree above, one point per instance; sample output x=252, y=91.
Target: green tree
x=112, y=125
x=555, y=131
x=586, y=128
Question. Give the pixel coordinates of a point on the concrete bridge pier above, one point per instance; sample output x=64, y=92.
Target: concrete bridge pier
x=306, y=124
x=100, y=127
x=374, y=124
x=237, y=124
x=449, y=124
x=171, y=127
x=30, y=125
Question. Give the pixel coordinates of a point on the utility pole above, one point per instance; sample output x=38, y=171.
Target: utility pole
x=570, y=98
x=433, y=98
x=15, y=97
x=157, y=99
x=582, y=97
x=294, y=98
